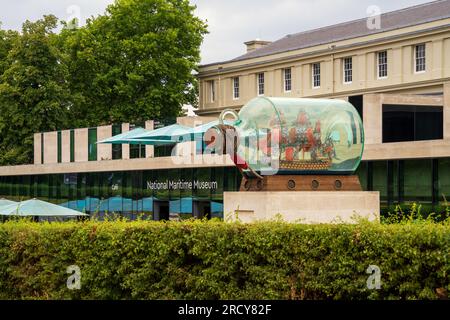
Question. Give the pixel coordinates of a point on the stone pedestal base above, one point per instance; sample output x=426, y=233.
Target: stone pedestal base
x=302, y=206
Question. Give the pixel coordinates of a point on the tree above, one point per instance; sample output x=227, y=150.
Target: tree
x=7, y=38
x=34, y=94
x=135, y=62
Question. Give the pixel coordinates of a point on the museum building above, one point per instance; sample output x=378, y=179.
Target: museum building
x=397, y=76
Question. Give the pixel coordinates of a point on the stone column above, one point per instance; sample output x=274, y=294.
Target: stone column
x=149, y=150
x=51, y=147
x=104, y=150
x=81, y=145
x=373, y=118
x=37, y=148
x=125, y=147
x=65, y=143
x=447, y=110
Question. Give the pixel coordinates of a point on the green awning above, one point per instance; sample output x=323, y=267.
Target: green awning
x=125, y=136
x=35, y=207
x=172, y=132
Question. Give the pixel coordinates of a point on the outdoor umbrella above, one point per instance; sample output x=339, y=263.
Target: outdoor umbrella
x=170, y=133
x=40, y=208
x=5, y=202
x=125, y=136
x=129, y=138
x=151, y=142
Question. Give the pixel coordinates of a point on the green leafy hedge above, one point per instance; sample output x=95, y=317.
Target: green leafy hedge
x=216, y=260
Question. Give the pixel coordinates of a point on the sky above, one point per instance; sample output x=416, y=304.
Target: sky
x=230, y=22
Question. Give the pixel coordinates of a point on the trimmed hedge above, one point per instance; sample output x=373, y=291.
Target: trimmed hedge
x=216, y=260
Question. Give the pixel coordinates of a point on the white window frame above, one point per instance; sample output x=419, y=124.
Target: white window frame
x=260, y=84
x=315, y=76
x=347, y=72
x=417, y=58
x=212, y=91
x=379, y=64
x=236, y=91
x=287, y=81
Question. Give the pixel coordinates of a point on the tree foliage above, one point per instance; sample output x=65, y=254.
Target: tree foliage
x=33, y=90
x=135, y=62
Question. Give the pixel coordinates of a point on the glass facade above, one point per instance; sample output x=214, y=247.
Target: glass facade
x=129, y=193
x=412, y=123
x=59, y=148
x=42, y=148
x=403, y=182
x=116, y=148
x=72, y=145
x=137, y=150
x=92, y=144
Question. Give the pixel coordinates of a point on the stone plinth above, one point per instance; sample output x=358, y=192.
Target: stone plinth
x=302, y=206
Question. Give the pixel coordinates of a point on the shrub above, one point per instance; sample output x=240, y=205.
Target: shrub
x=216, y=260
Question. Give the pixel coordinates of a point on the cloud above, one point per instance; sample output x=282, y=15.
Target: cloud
x=231, y=22
x=14, y=13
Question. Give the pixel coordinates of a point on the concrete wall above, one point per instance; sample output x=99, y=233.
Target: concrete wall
x=194, y=121
x=373, y=111
x=446, y=104
x=37, y=143
x=125, y=147
x=302, y=206
x=205, y=161
x=149, y=150
x=104, y=150
x=407, y=150
x=81, y=145
x=51, y=147
x=65, y=152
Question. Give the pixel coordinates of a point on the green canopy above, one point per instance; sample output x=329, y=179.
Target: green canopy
x=171, y=133
x=129, y=137
x=40, y=208
x=125, y=136
x=141, y=141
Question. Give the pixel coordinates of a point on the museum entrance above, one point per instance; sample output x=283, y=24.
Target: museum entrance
x=161, y=210
x=201, y=209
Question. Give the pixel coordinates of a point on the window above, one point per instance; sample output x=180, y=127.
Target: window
x=316, y=75
x=72, y=145
x=163, y=151
x=137, y=151
x=42, y=148
x=420, y=58
x=382, y=64
x=92, y=144
x=116, y=148
x=236, y=88
x=260, y=84
x=348, y=70
x=212, y=91
x=287, y=79
x=412, y=123
x=59, y=148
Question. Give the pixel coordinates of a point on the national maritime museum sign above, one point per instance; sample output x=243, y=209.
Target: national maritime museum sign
x=182, y=185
